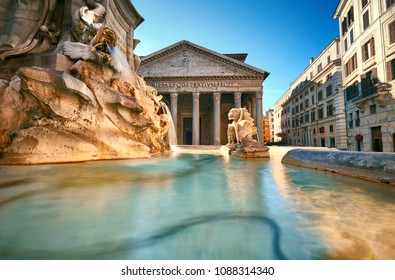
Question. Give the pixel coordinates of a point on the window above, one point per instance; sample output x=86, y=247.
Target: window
x=368, y=83
x=312, y=99
x=345, y=44
x=344, y=26
x=391, y=29
x=320, y=113
x=364, y=3
x=319, y=95
x=366, y=20
x=357, y=121
x=350, y=122
x=329, y=110
x=312, y=88
x=306, y=103
x=301, y=106
x=390, y=3
x=351, y=65
x=351, y=37
x=368, y=50
x=350, y=16
x=390, y=65
x=313, y=116
x=319, y=68
x=372, y=109
x=322, y=129
x=307, y=118
x=328, y=59
x=352, y=91
x=331, y=128
x=328, y=90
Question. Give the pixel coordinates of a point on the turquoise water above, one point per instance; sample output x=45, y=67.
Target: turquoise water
x=192, y=206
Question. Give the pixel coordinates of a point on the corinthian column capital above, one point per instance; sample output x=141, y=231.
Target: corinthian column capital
x=174, y=96
x=196, y=95
x=217, y=96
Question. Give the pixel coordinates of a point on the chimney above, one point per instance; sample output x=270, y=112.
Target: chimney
x=311, y=60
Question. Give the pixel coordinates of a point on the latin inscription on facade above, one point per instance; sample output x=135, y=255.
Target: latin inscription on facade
x=191, y=85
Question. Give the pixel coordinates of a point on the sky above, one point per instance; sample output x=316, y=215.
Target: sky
x=280, y=37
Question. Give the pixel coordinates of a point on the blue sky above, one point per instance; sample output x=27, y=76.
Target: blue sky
x=279, y=36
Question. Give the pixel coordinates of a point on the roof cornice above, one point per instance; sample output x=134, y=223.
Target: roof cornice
x=202, y=78
x=129, y=12
x=182, y=45
x=339, y=9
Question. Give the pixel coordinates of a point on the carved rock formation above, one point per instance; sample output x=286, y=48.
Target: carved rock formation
x=101, y=110
x=51, y=116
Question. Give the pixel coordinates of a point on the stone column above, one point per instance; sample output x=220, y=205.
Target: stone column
x=173, y=105
x=237, y=96
x=253, y=107
x=259, y=114
x=195, y=119
x=217, y=118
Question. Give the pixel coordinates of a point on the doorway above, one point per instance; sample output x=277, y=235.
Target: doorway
x=187, y=131
x=377, y=141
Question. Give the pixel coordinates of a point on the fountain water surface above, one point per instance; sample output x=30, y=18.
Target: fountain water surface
x=192, y=206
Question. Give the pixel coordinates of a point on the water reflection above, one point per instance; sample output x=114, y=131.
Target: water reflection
x=193, y=206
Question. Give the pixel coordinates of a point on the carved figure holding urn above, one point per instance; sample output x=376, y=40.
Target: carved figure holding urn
x=242, y=128
x=240, y=135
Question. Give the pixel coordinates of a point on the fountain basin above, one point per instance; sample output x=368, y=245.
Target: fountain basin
x=379, y=167
x=192, y=206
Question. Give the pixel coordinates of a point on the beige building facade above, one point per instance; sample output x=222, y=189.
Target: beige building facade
x=367, y=36
x=312, y=110
x=200, y=87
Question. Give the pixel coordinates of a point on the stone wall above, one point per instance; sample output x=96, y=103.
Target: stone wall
x=379, y=167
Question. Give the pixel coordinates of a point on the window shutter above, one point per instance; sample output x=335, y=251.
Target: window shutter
x=388, y=71
x=372, y=49
x=391, y=28
x=363, y=53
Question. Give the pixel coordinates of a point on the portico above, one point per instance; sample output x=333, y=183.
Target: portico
x=200, y=87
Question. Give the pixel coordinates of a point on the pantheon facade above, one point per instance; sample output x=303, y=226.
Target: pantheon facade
x=200, y=86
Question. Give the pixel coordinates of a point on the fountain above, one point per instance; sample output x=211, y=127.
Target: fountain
x=91, y=105
x=68, y=93
x=172, y=134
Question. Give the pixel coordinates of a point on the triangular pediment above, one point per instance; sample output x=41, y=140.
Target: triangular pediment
x=185, y=59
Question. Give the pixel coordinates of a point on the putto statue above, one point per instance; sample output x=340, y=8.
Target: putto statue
x=240, y=135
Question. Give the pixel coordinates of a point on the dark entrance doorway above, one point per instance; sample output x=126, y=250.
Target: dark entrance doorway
x=377, y=141
x=187, y=131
